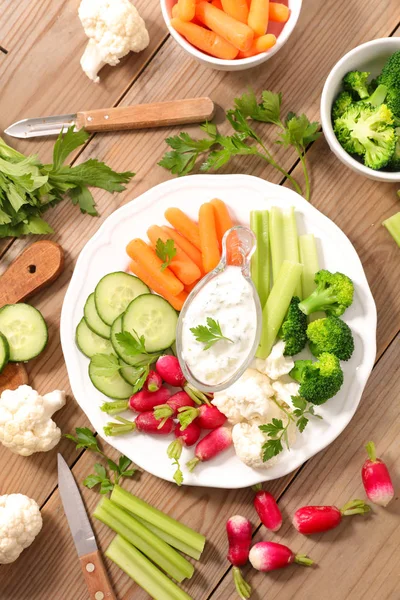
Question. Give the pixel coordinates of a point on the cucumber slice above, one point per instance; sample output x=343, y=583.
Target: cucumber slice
x=129, y=373
x=93, y=320
x=114, y=387
x=153, y=317
x=114, y=293
x=129, y=360
x=25, y=330
x=90, y=343
x=4, y=352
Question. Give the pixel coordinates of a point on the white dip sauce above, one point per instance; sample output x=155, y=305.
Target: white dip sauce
x=228, y=299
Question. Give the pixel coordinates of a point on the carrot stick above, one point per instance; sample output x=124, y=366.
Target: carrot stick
x=186, y=246
x=175, y=11
x=142, y=272
x=258, y=17
x=208, y=237
x=140, y=252
x=184, y=225
x=278, y=12
x=260, y=44
x=186, y=9
x=217, y=4
x=236, y=33
x=181, y=265
x=205, y=40
x=223, y=222
x=188, y=288
x=238, y=9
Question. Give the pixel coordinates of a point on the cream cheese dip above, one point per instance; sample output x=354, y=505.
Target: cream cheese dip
x=227, y=298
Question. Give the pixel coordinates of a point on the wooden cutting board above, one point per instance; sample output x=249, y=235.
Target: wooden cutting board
x=35, y=268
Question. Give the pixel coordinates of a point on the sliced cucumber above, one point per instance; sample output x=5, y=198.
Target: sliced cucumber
x=129, y=373
x=93, y=320
x=114, y=386
x=114, y=293
x=4, y=352
x=25, y=330
x=153, y=317
x=129, y=360
x=90, y=343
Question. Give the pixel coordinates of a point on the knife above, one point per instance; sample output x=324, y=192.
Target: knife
x=93, y=569
x=139, y=116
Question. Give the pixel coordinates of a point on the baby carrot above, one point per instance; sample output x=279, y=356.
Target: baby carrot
x=238, y=9
x=186, y=9
x=140, y=252
x=205, y=40
x=236, y=33
x=142, y=272
x=193, y=253
x=184, y=225
x=188, y=288
x=223, y=222
x=278, y=12
x=217, y=4
x=181, y=265
x=175, y=11
x=258, y=17
x=260, y=44
x=208, y=237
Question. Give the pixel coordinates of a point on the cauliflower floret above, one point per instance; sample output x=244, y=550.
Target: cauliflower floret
x=246, y=399
x=115, y=28
x=20, y=522
x=25, y=420
x=276, y=364
x=284, y=389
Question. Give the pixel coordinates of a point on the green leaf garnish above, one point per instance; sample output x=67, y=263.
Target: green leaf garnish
x=209, y=334
x=165, y=252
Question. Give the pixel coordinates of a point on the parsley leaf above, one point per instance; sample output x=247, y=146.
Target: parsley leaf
x=165, y=252
x=132, y=345
x=105, y=365
x=84, y=438
x=271, y=448
x=209, y=334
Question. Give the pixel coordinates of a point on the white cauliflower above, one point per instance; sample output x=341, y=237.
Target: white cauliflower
x=20, y=522
x=246, y=399
x=276, y=364
x=284, y=389
x=114, y=28
x=25, y=420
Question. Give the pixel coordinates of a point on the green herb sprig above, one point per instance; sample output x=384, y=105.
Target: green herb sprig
x=165, y=252
x=209, y=334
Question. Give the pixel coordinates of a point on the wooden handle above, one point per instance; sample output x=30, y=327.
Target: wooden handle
x=12, y=376
x=96, y=577
x=37, y=266
x=140, y=116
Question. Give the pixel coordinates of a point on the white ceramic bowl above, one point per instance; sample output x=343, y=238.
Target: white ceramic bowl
x=370, y=56
x=234, y=65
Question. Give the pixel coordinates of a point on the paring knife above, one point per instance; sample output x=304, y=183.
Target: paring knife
x=92, y=565
x=139, y=116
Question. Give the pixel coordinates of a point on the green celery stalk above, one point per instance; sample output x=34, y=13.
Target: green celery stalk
x=141, y=570
x=170, y=539
x=260, y=262
x=309, y=259
x=291, y=241
x=140, y=508
x=277, y=305
x=144, y=540
x=276, y=240
x=392, y=224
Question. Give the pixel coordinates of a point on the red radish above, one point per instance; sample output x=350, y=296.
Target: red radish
x=268, y=556
x=207, y=416
x=144, y=400
x=268, y=510
x=315, y=519
x=153, y=382
x=238, y=529
x=376, y=479
x=186, y=438
x=145, y=422
x=173, y=404
x=170, y=370
x=211, y=445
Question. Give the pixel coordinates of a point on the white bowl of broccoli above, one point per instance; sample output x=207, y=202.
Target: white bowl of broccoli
x=360, y=109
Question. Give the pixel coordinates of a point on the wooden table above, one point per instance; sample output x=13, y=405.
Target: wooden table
x=40, y=46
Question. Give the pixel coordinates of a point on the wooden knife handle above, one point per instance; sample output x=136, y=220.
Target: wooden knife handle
x=37, y=266
x=141, y=116
x=96, y=577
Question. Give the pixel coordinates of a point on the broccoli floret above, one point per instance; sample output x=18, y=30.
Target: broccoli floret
x=378, y=96
x=331, y=335
x=333, y=294
x=341, y=104
x=368, y=131
x=390, y=77
x=319, y=380
x=394, y=164
x=357, y=83
x=294, y=329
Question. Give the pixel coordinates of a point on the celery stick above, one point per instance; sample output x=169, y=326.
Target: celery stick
x=144, y=540
x=276, y=240
x=140, y=508
x=277, y=305
x=291, y=241
x=170, y=539
x=141, y=570
x=309, y=259
x=392, y=224
x=260, y=268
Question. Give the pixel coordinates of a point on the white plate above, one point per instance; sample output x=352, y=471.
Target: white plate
x=105, y=253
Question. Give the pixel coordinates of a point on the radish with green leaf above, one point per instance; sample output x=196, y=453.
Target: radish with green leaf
x=145, y=422
x=172, y=405
x=207, y=416
x=376, y=478
x=269, y=556
x=184, y=438
x=238, y=529
x=153, y=382
x=316, y=519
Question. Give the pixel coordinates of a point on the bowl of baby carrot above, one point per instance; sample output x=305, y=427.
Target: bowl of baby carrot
x=231, y=35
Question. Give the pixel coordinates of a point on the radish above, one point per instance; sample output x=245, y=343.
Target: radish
x=207, y=416
x=376, y=479
x=175, y=402
x=238, y=529
x=170, y=370
x=144, y=400
x=267, y=509
x=145, y=422
x=315, y=519
x=211, y=445
x=153, y=382
x=268, y=556
x=186, y=438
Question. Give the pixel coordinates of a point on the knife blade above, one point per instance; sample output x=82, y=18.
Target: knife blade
x=139, y=116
